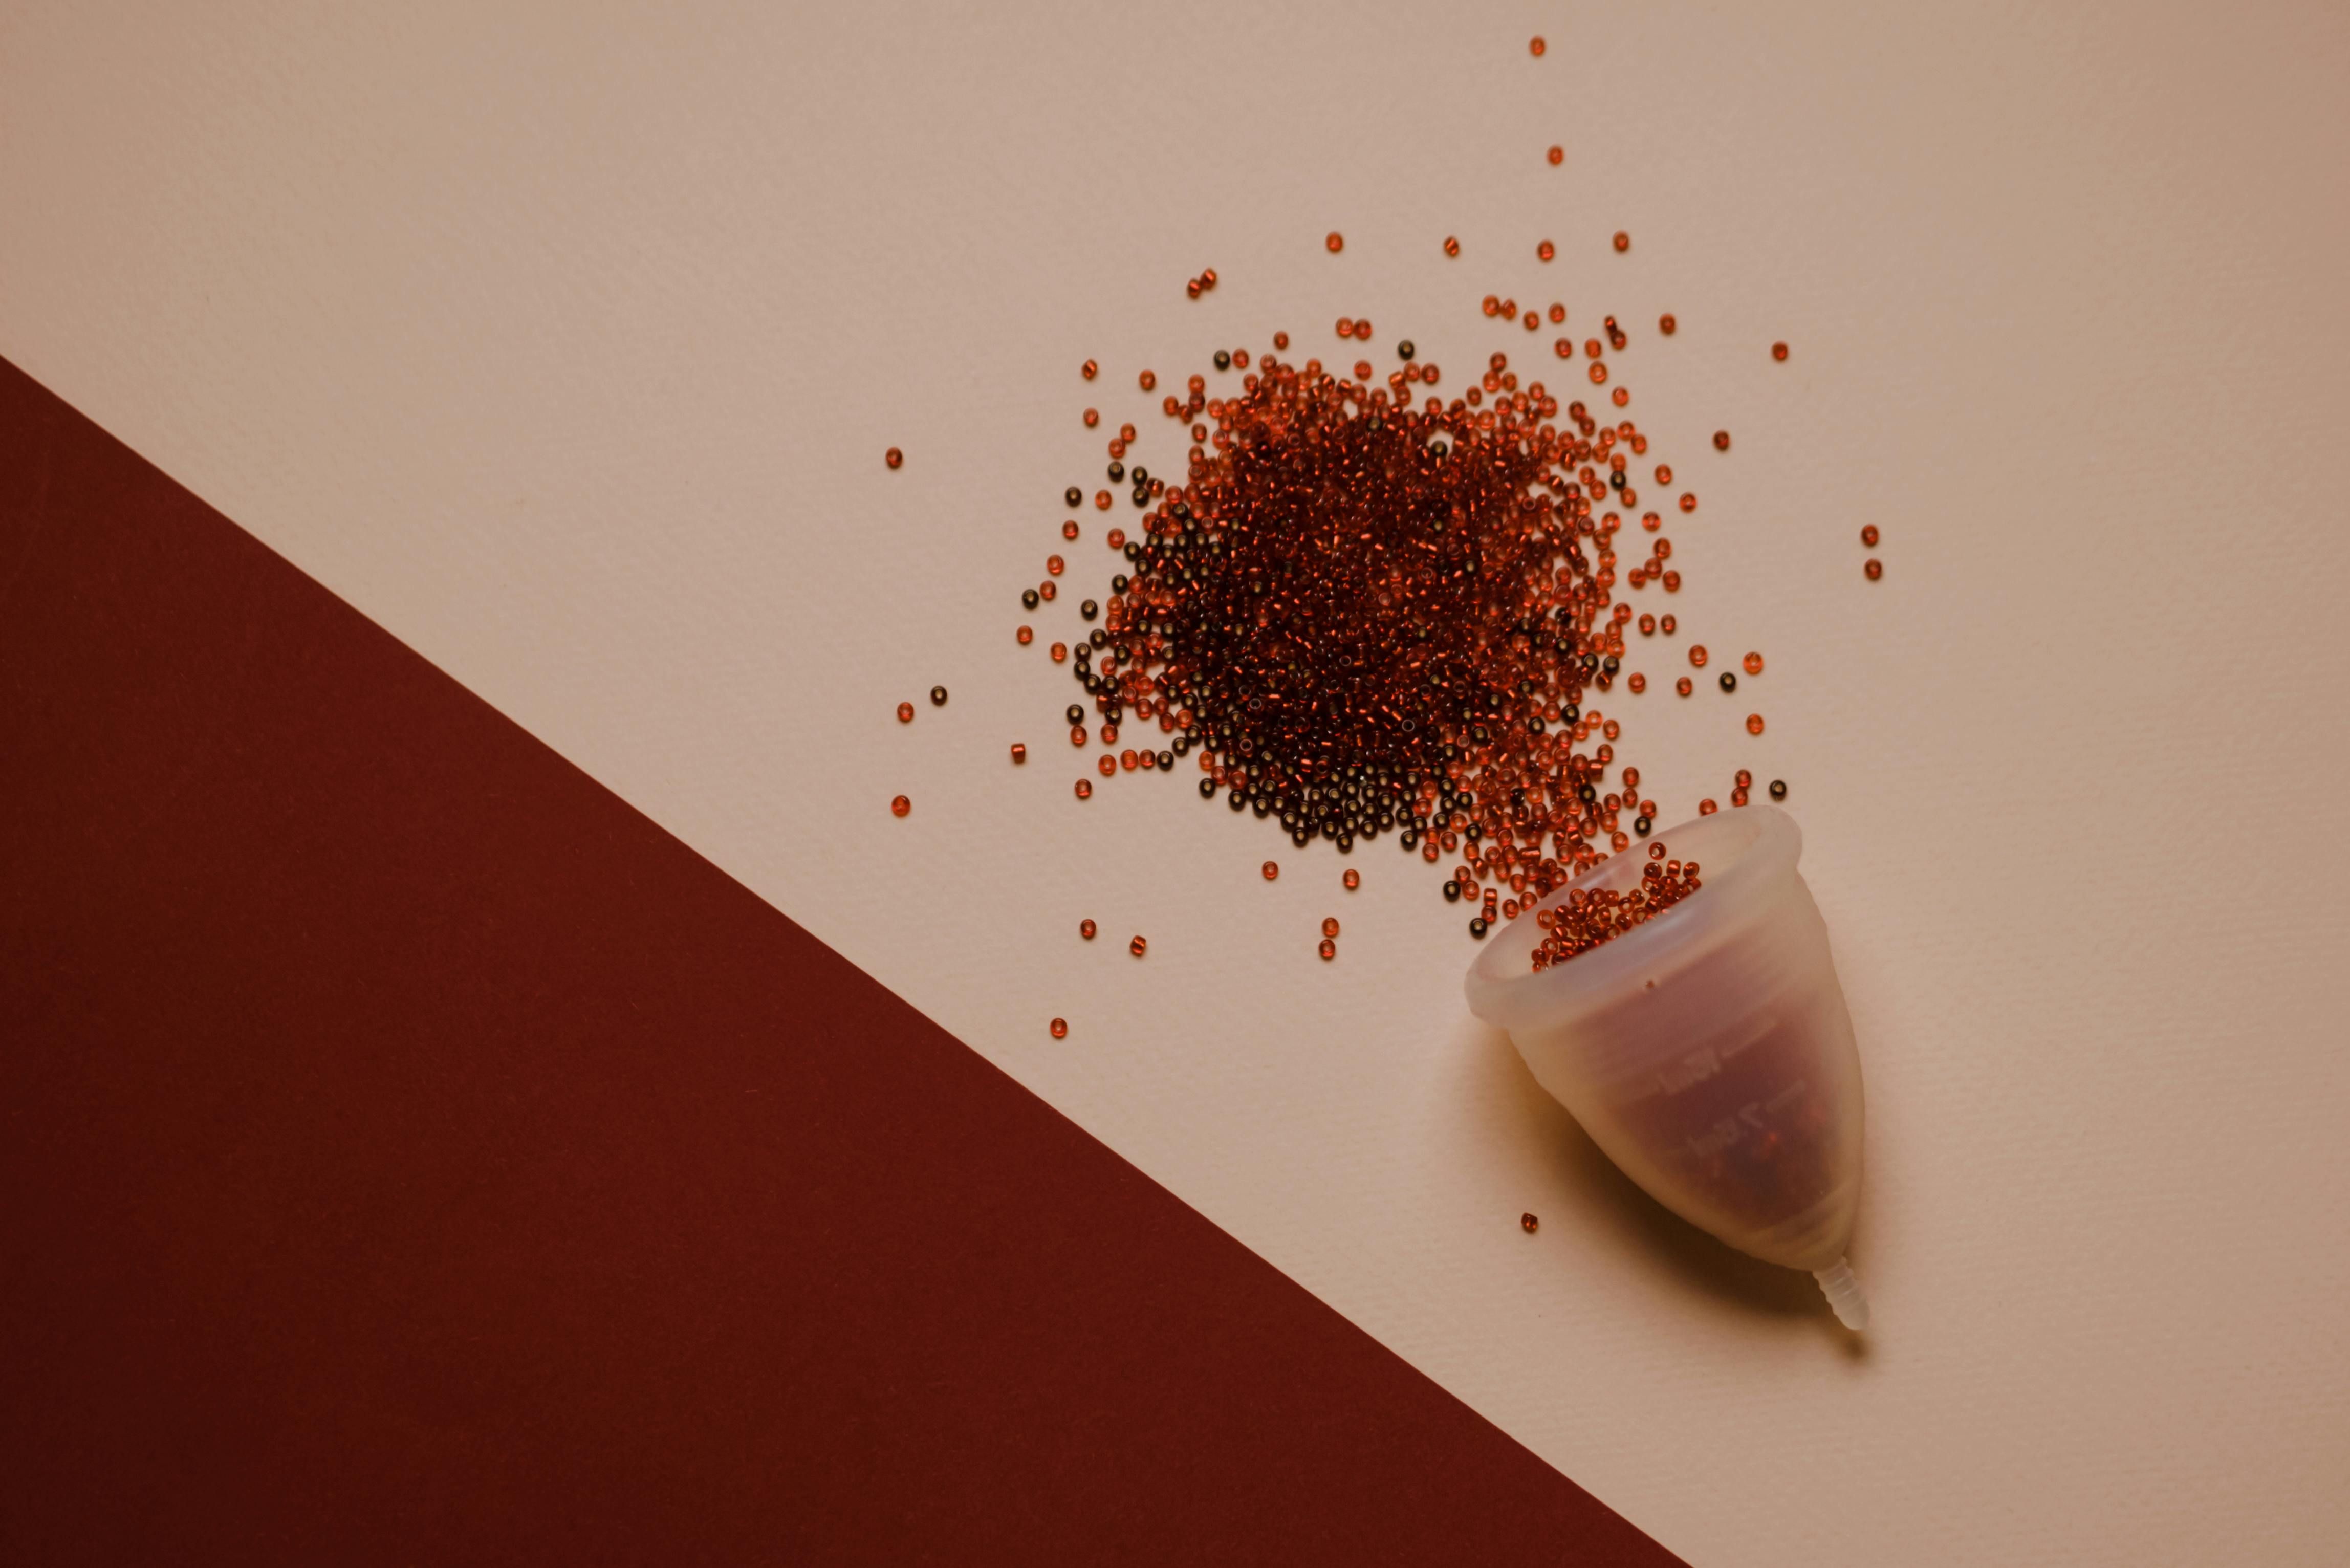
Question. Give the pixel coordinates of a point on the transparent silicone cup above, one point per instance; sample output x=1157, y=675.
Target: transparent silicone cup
x=1708, y=1051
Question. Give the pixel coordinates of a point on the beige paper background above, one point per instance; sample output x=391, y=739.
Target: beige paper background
x=565, y=342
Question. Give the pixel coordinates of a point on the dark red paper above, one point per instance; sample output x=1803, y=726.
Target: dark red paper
x=408, y=1153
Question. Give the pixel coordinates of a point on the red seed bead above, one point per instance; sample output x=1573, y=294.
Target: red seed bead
x=1149, y=380
x=1451, y=245
x=893, y=457
x=1329, y=950
x=1689, y=503
x=1091, y=370
x=1107, y=766
x=1544, y=251
x=1101, y=500
x=1060, y=652
x=1753, y=723
x=1754, y=662
x=1093, y=417
x=1086, y=929
x=905, y=713
x=1667, y=325
x=1536, y=47
x=1330, y=925
x=1868, y=535
x=1873, y=567
x=1697, y=656
x=1118, y=539
x=1623, y=241
x=1337, y=242
x=1637, y=682
x=1053, y=565
x=1019, y=753
x=1137, y=947
x=1060, y=1028
x=1683, y=686
x=1778, y=350
x=1026, y=636
x=1069, y=529
x=900, y=806
x=1707, y=808
x=1352, y=880
x=1557, y=155
x=1529, y=1224
x=1722, y=440
x=1085, y=789
x=1272, y=870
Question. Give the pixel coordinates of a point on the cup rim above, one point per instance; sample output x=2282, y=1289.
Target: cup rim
x=1759, y=842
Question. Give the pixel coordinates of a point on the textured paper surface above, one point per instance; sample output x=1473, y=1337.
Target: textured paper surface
x=565, y=344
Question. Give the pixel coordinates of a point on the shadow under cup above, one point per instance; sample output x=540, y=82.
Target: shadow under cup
x=1709, y=1051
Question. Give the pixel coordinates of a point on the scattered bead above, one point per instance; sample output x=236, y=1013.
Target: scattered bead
x=1722, y=440
x=900, y=806
x=1085, y=789
x=1869, y=535
x=1137, y=947
x=1330, y=925
x=1091, y=370
x=1352, y=878
x=1060, y=1028
x=905, y=713
x=1529, y=1224
x=1546, y=250
x=1536, y=47
x=1557, y=156
x=1019, y=753
x=1451, y=245
x=938, y=696
x=1087, y=929
x=1778, y=350
x=893, y=457
x=1667, y=325
x=1754, y=662
x=1753, y=723
x=1623, y=241
x=1337, y=242
x=1873, y=567
x=1024, y=636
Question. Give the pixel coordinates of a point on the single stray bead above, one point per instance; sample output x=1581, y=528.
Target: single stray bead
x=1722, y=440
x=938, y=696
x=1137, y=947
x=905, y=713
x=1086, y=929
x=1085, y=789
x=1536, y=47
x=1875, y=568
x=1778, y=350
x=1352, y=880
x=1754, y=662
x=900, y=806
x=1019, y=753
x=1729, y=681
x=1667, y=325
x=1529, y=1224
x=1060, y=1029
x=1092, y=369
x=893, y=457
x=1271, y=869
x=1868, y=535
x=1330, y=925
x=1753, y=723
x=1451, y=245
x=1778, y=789
x=1073, y=495
x=1546, y=250
x=1337, y=242
x=1623, y=241
x=1329, y=950
x=1558, y=155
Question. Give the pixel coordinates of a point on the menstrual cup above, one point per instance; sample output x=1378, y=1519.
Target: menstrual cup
x=1708, y=1050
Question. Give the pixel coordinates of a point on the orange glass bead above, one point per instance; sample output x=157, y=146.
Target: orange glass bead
x=905, y=713
x=1092, y=369
x=1688, y=502
x=1697, y=656
x=1753, y=723
x=1085, y=789
x=1272, y=870
x=1623, y=241
x=1149, y=380
x=1875, y=568
x=1637, y=682
x=1667, y=325
x=1544, y=251
x=1026, y=636
x=1557, y=155
x=893, y=457
x=1352, y=880
x=1754, y=662
x=1019, y=753
x=1329, y=950
x=1451, y=245
x=1707, y=808
x=900, y=806
x=1722, y=440
x=1778, y=350
x=1868, y=535
x=1137, y=947
x=1337, y=242
x=1330, y=925
x=1683, y=686
x=1060, y=1027
x=1529, y=1224
x=1086, y=929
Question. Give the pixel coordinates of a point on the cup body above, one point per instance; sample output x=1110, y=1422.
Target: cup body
x=1709, y=1051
